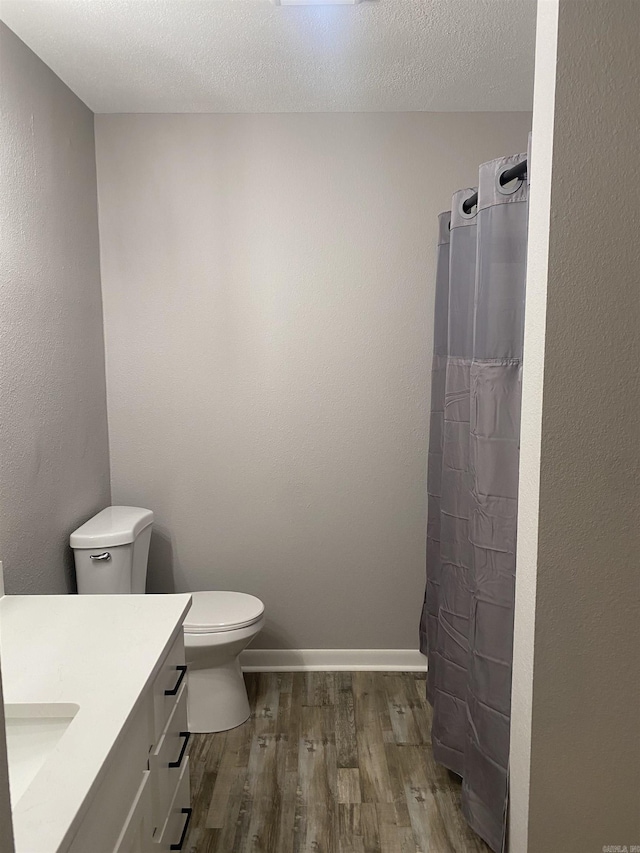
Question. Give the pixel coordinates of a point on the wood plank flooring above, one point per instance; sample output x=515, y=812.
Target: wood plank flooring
x=329, y=762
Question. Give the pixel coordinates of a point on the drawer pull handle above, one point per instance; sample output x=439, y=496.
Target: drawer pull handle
x=174, y=690
x=178, y=846
x=186, y=736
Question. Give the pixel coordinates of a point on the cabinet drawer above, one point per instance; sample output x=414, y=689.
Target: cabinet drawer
x=136, y=831
x=168, y=759
x=175, y=830
x=168, y=683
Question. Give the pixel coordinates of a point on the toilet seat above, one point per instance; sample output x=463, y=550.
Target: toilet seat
x=219, y=611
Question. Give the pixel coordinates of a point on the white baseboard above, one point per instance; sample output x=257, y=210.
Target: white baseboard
x=328, y=660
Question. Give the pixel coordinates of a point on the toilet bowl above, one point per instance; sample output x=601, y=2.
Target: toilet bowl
x=110, y=552
x=216, y=629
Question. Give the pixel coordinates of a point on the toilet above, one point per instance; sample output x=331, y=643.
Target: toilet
x=111, y=551
x=216, y=629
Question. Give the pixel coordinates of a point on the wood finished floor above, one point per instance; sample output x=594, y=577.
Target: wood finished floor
x=329, y=762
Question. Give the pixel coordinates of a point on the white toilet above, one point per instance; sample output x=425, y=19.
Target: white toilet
x=111, y=551
x=216, y=629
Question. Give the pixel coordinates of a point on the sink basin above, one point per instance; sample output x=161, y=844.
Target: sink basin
x=33, y=730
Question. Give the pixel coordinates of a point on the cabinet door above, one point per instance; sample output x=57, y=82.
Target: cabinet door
x=168, y=683
x=136, y=832
x=110, y=806
x=174, y=836
x=168, y=760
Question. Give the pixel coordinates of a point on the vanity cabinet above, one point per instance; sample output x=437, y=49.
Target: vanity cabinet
x=143, y=802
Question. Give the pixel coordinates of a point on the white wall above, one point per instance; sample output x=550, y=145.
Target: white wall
x=575, y=739
x=268, y=293
x=54, y=465
x=6, y=824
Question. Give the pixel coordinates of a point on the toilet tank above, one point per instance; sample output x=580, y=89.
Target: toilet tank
x=111, y=551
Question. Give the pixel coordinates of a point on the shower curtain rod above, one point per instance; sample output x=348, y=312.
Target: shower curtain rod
x=517, y=172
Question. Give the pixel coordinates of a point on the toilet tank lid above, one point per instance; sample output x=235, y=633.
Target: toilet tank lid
x=114, y=525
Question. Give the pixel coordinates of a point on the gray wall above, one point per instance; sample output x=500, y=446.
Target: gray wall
x=268, y=289
x=575, y=747
x=54, y=467
x=268, y=292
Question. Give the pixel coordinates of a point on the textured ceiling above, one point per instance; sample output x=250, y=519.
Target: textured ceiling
x=252, y=56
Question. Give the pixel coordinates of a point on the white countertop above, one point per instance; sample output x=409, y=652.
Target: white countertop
x=98, y=652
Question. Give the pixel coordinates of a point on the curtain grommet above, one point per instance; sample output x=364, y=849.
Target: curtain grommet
x=512, y=187
x=463, y=213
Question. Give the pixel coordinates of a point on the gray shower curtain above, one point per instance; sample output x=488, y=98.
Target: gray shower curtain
x=466, y=629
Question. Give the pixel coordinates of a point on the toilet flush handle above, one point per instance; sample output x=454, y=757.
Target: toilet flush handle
x=104, y=556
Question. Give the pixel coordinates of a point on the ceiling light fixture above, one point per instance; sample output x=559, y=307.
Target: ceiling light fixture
x=315, y=2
